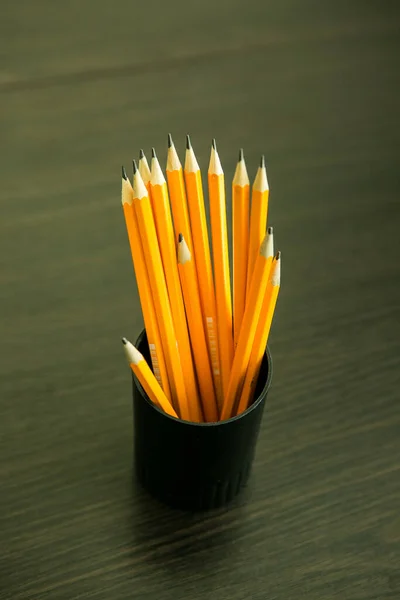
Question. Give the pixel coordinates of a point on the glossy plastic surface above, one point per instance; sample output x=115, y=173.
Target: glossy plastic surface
x=195, y=466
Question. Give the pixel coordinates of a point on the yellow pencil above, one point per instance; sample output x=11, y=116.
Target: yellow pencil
x=258, y=217
x=187, y=272
x=143, y=284
x=177, y=194
x=159, y=290
x=165, y=235
x=262, y=333
x=216, y=189
x=240, y=242
x=144, y=169
x=149, y=383
x=249, y=324
x=202, y=256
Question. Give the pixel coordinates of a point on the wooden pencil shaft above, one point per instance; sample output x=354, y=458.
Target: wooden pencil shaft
x=248, y=329
x=161, y=300
x=258, y=218
x=177, y=194
x=146, y=378
x=216, y=188
x=145, y=296
x=165, y=235
x=261, y=337
x=240, y=242
x=188, y=277
x=258, y=349
x=202, y=256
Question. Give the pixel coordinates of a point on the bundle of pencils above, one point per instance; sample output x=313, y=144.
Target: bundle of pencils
x=206, y=350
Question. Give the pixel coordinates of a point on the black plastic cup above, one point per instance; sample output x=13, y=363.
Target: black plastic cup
x=195, y=466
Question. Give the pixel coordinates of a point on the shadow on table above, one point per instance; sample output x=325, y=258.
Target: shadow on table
x=167, y=535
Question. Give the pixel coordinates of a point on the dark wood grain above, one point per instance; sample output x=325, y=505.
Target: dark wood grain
x=314, y=85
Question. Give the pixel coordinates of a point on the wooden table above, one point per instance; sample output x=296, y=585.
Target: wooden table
x=314, y=85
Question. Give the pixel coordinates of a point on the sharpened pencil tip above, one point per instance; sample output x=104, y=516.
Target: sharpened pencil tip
x=141, y=154
x=124, y=341
x=278, y=255
x=124, y=175
x=134, y=166
x=270, y=230
x=214, y=144
x=170, y=142
x=180, y=238
x=188, y=143
x=262, y=162
x=153, y=153
x=241, y=155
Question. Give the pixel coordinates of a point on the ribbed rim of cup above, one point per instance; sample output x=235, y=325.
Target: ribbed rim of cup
x=253, y=406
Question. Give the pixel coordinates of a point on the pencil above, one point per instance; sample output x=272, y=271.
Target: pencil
x=149, y=383
x=219, y=234
x=161, y=301
x=240, y=242
x=187, y=272
x=177, y=194
x=258, y=217
x=201, y=248
x=144, y=169
x=165, y=235
x=249, y=324
x=262, y=334
x=146, y=300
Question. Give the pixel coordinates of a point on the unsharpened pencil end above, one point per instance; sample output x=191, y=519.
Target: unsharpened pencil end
x=124, y=341
x=153, y=153
x=188, y=142
x=141, y=154
x=262, y=162
x=180, y=238
x=170, y=142
x=134, y=167
x=124, y=175
x=241, y=155
x=270, y=230
x=214, y=144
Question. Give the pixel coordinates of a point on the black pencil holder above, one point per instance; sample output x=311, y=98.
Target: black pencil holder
x=195, y=466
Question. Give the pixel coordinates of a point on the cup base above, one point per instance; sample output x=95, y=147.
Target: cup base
x=207, y=498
